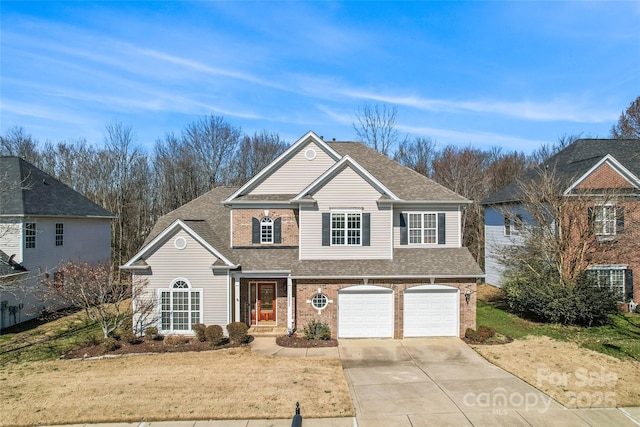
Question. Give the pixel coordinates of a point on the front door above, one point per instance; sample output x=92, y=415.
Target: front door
x=263, y=296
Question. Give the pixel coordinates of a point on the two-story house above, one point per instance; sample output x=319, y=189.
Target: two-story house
x=331, y=231
x=602, y=177
x=43, y=223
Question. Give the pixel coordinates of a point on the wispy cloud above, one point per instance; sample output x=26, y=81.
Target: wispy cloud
x=555, y=110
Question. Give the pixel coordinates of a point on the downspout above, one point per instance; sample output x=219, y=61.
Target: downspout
x=289, y=304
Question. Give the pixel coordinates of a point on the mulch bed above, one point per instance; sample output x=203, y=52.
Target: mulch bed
x=143, y=345
x=298, y=341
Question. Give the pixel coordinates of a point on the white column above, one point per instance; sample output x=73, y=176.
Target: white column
x=289, y=303
x=237, y=297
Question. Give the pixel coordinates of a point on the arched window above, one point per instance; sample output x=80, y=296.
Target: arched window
x=180, y=306
x=266, y=230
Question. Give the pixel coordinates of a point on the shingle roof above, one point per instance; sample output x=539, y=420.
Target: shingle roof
x=30, y=191
x=208, y=217
x=574, y=161
x=405, y=183
x=8, y=267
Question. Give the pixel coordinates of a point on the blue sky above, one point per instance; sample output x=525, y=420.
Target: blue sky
x=510, y=74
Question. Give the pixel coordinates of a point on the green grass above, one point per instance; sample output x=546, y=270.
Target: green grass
x=619, y=339
x=34, y=341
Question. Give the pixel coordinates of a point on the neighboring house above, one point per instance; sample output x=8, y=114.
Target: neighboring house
x=604, y=175
x=329, y=231
x=43, y=223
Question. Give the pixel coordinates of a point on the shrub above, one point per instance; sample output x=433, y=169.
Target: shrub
x=175, y=340
x=471, y=334
x=316, y=330
x=238, y=332
x=544, y=299
x=199, y=329
x=485, y=332
x=129, y=337
x=109, y=344
x=152, y=333
x=214, y=334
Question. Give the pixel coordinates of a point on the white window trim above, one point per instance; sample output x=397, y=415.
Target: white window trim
x=35, y=234
x=171, y=290
x=515, y=224
x=599, y=224
x=346, y=229
x=611, y=268
x=422, y=228
x=263, y=225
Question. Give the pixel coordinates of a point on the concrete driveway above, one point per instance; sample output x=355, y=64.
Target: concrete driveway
x=442, y=382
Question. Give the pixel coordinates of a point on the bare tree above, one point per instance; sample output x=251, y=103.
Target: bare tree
x=94, y=290
x=17, y=142
x=560, y=232
x=254, y=154
x=376, y=126
x=628, y=125
x=212, y=142
x=417, y=155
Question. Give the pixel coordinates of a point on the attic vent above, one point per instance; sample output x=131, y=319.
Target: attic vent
x=310, y=154
x=180, y=243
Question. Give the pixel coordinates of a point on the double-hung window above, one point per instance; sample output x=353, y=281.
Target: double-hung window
x=423, y=228
x=30, y=235
x=59, y=234
x=180, y=306
x=605, y=220
x=346, y=228
x=612, y=277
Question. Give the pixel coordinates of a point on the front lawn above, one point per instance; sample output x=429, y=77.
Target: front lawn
x=619, y=339
x=579, y=367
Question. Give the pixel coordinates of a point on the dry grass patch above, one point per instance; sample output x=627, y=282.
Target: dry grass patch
x=224, y=384
x=574, y=376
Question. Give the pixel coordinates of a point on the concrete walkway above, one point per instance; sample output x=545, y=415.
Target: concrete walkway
x=424, y=382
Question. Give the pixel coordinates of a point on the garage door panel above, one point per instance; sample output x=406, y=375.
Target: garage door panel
x=431, y=313
x=366, y=314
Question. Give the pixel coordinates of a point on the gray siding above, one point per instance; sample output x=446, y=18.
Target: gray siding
x=297, y=173
x=452, y=223
x=347, y=190
x=496, y=241
x=192, y=263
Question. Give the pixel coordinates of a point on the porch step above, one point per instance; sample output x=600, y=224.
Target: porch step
x=267, y=331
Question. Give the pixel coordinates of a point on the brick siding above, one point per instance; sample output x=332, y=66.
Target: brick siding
x=242, y=226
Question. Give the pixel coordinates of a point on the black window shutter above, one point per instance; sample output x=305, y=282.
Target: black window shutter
x=628, y=281
x=366, y=226
x=326, y=229
x=442, y=231
x=255, y=230
x=619, y=219
x=277, y=230
x=404, y=237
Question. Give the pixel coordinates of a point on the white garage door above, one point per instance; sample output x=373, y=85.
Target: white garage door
x=431, y=311
x=365, y=312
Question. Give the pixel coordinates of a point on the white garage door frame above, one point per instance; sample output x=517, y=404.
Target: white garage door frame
x=365, y=311
x=431, y=310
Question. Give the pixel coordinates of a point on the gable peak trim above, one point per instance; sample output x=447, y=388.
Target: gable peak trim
x=615, y=164
x=281, y=159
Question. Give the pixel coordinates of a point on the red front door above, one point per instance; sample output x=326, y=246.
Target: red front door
x=263, y=299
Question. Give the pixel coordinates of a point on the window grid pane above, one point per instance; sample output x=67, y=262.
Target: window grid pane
x=59, y=234
x=337, y=229
x=266, y=230
x=30, y=235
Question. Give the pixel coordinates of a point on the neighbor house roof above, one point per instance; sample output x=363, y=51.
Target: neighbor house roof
x=9, y=268
x=573, y=162
x=28, y=191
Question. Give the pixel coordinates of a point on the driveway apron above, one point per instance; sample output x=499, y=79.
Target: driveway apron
x=442, y=382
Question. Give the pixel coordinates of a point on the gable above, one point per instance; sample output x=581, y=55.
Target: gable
x=302, y=168
x=604, y=176
x=292, y=171
x=347, y=187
